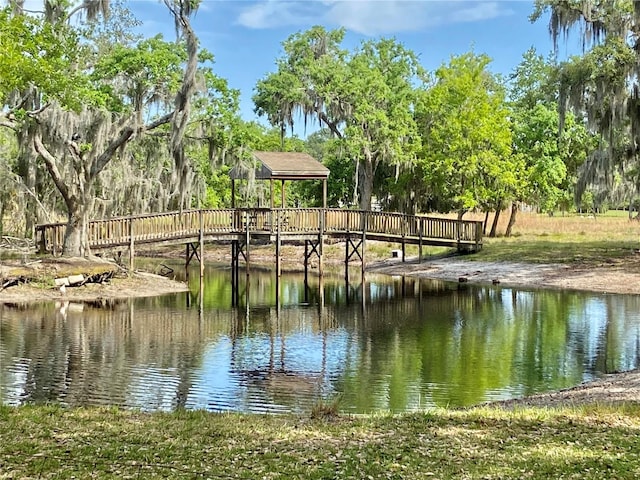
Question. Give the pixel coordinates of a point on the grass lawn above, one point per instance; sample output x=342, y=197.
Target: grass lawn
x=586, y=442
x=576, y=239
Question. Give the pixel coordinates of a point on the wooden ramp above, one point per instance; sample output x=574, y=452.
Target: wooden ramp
x=243, y=226
x=289, y=223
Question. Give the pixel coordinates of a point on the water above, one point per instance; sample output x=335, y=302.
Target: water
x=393, y=344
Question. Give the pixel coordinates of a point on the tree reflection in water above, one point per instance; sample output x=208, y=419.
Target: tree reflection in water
x=391, y=344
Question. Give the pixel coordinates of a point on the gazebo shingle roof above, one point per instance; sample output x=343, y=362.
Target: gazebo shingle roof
x=286, y=166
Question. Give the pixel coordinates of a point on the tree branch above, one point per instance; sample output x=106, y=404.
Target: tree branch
x=8, y=124
x=124, y=137
x=332, y=126
x=156, y=123
x=33, y=113
x=50, y=162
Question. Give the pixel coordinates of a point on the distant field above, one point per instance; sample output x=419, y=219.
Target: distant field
x=540, y=238
x=614, y=222
x=569, y=238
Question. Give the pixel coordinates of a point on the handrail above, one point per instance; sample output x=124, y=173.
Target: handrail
x=186, y=224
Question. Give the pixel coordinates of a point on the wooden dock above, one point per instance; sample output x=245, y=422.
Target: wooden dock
x=244, y=226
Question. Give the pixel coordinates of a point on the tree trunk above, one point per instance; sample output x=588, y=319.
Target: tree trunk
x=515, y=206
x=366, y=183
x=76, y=243
x=2, y=211
x=494, y=225
x=485, y=223
x=73, y=243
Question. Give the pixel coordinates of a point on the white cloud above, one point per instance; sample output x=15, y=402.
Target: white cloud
x=378, y=17
x=478, y=11
x=369, y=17
x=278, y=13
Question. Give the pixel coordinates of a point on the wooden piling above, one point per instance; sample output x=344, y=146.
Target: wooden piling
x=131, y=246
x=278, y=253
x=201, y=238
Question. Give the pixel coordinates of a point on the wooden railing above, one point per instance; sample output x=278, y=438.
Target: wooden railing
x=186, y=225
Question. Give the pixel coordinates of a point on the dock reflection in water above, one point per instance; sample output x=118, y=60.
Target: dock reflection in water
x=393, y=344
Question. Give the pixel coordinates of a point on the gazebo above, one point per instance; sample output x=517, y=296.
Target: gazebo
x=283, y=166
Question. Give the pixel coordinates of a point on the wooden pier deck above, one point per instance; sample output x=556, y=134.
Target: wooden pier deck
x=268, y=225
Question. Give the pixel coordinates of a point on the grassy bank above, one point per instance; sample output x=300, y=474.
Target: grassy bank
x=539, y=238
x=589, y=442
x=575, y=239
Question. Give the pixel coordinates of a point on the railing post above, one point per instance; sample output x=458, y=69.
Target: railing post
x=42, y=241
x=362, y=257
x=54, y=238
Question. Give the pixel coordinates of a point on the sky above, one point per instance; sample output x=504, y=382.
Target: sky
x=245, y=36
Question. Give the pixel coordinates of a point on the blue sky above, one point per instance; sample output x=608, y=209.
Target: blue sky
x=246, y=35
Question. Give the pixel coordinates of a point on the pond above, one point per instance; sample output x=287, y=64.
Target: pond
x=391, y=344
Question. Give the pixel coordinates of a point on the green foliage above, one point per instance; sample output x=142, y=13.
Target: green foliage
x=550, y=157
x=326, y=149
x=533, y=81
x=305, y=82
x=466, y=159
x=364, y=98
x=601, y=85
x=381, y=129
x=536, y=140
x=146, y=73
x=36, y=53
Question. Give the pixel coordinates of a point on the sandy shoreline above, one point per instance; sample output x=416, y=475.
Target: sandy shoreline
x=605, y=279
x=612, y=279
x=139, y=285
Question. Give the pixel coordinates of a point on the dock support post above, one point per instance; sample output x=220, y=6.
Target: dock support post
x=247, y=239
x=278, y=245
x=306, y=262
x=420, y=243
x=346, y=257
x=405, y=229
x=238, y=249
x=321, y=243
x=201, y=249
x=278, y=295
x=355, y=249
x=234, y=272
x=131, y=247
x=363, y=262
x=321, y=293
